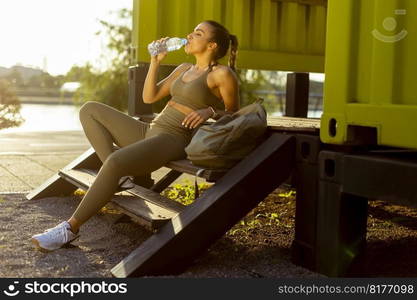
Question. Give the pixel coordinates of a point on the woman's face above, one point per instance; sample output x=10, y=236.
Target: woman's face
x=199, y=40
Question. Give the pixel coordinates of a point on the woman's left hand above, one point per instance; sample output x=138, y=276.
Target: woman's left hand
x=194, y=119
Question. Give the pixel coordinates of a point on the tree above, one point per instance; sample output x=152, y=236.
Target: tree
x=76, y=73
x=9, y=106
x=15, y=78
x=264, y=84
x=44, y=80
x=109, y=86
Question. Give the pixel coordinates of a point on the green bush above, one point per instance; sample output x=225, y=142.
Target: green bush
x=9, y=106
x=185, y=192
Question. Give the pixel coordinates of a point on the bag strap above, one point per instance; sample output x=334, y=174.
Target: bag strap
x=197, y=174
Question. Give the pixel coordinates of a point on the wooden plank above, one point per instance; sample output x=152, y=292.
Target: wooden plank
x=153, y=210
x=141, y=212
x=164, y=182
x=144, y=180
x=157, y=199
x=53, y=186
x=294, y=124
x=185, y=166
x=276, y=123
x=56, y=186
x=86, y=177
x=88, y=159
x=183, y=238
x=127, y=216
x=80, y=178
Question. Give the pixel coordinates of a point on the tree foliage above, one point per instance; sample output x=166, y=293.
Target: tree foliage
x=110, y=85
x=44, y=80
x=15, y=78
x=264, y=84
x=9, y=106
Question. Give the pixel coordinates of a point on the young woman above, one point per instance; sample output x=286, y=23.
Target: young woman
x=198, y=92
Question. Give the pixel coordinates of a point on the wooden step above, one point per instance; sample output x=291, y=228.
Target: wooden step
x=185, y=166
x=177, y=244
x=57, y=186
x=156, y=198
x=144, y=206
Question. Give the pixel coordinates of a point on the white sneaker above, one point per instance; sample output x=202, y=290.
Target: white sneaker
x=54, y=238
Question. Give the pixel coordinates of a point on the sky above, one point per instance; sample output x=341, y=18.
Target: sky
x=53, y=34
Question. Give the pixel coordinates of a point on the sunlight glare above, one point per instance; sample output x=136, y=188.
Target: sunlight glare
x=53, y=34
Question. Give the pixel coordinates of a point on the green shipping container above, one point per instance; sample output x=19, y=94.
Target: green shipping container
x=273, y=34
x=371, y=64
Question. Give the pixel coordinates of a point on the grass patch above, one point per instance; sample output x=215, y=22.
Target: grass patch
x=79, y=193
x=184, y=193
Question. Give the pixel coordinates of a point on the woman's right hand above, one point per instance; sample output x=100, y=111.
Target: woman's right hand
x=159, y=57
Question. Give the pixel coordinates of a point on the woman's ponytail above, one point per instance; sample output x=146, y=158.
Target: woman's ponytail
x=233, y=51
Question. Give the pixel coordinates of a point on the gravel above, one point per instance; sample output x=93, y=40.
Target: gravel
x=104, y=242
x=259, y=250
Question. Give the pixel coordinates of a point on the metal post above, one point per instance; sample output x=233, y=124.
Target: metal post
x=341, y=218
x=137, y=75
x=296, y=104
x=306, y=178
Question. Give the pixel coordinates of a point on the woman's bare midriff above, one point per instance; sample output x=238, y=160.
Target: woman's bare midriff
x=180, y=107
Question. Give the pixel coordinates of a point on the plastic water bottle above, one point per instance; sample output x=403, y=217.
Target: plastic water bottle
x=170, y=44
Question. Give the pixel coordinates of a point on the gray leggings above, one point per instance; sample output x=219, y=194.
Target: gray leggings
x=142, y=150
